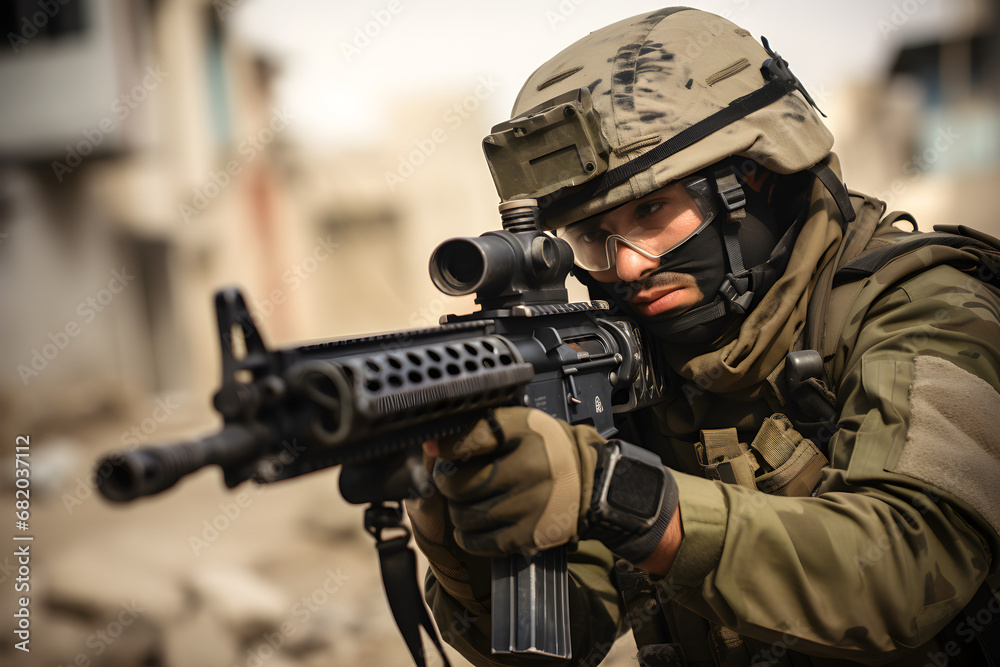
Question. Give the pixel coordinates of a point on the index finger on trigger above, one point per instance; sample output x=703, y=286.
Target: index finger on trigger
x=432, y=448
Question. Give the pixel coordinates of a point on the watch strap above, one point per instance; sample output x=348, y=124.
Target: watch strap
x=634, y=498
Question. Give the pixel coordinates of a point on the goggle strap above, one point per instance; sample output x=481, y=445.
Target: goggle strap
x=764, y=96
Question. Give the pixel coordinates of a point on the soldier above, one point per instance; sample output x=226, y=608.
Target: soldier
x=830, y=449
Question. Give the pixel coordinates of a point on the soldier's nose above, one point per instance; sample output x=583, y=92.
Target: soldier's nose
x=631, y=265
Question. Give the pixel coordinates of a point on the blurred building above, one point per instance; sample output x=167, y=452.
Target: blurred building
x=144, y=164
x=925, y=136
x=138, y=149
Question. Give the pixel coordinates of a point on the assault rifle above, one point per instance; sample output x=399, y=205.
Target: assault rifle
x=368, y=403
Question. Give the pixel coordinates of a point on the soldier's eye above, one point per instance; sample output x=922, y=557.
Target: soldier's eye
x=647, y=209
x=596, y=235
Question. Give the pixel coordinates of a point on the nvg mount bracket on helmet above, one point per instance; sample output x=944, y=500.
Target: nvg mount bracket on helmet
x=555, y=145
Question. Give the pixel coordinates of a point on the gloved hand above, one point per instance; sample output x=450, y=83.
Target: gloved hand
x=523, y=481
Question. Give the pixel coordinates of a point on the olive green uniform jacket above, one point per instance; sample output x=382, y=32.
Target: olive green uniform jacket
x=900, y=532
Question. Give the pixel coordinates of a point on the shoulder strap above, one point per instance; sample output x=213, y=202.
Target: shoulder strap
x=873, y=259
x=980, y=256
x=857, y=236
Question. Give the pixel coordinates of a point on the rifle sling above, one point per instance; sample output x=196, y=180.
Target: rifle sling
x=398, y=564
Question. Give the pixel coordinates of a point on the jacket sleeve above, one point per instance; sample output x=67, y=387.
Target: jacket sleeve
x=903, y=527
x=594, y=614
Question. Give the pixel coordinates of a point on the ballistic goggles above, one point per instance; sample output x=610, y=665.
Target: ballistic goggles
x=652, y=229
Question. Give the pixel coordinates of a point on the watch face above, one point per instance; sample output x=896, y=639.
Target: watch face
x=635, y=488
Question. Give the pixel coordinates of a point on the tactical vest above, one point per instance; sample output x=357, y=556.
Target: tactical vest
x=873, y=258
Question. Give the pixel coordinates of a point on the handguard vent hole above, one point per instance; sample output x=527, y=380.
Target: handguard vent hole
x=373, y=385
x=394, y=362
x=415, y=377
x=471, y=349
x=414, y=359
x=395, y=381
x=453, y=369
x=489, y=363
x=471, y=366
x=434, y=356
x=505, y=360
x=434, y=373
x=330, y=422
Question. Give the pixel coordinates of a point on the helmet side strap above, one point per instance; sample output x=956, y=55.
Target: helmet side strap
x=735, y=288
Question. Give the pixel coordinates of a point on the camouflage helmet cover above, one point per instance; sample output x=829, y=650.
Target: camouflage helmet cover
x=654, y=75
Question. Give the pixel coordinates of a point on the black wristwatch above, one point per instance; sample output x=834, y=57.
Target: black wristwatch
x=629, y=487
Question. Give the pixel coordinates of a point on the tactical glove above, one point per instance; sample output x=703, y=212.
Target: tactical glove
x=522, y=481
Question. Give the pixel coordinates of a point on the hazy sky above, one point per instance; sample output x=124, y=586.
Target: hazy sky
x=342, y=85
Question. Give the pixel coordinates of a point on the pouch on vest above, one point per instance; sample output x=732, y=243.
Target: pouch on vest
x=779, y=461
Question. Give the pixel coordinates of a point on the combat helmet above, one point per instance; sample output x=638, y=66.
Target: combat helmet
x=648, y=101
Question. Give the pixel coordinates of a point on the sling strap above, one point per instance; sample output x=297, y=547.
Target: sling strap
x=398, y=564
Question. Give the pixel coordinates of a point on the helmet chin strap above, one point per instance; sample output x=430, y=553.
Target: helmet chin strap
x=699, y=324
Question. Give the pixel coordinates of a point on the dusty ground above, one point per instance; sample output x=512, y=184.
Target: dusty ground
x=200, y=576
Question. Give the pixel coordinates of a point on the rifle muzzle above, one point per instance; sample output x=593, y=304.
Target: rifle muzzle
x=125, y=476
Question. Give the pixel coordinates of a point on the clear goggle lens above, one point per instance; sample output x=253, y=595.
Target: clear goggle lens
x=660, y=224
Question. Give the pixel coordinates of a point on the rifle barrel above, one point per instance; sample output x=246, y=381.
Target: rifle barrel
x=124, y=476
